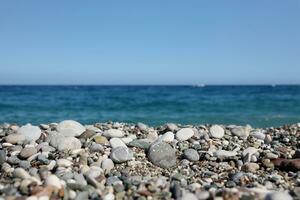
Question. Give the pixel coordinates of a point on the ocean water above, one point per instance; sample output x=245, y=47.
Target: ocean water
x=259, y=106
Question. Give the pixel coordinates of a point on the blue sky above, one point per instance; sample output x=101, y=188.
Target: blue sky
x=150, y=42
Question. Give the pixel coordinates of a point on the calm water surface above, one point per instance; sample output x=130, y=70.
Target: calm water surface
x=259, y=106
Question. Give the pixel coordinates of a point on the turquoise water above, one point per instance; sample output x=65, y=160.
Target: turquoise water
x=259, y=106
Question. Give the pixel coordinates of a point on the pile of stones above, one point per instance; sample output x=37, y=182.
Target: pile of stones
x=115, y=160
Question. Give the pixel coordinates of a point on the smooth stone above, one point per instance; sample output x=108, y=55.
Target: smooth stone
x=121, y=154
x=203, y=195
x=250, y=167
x=223, y=154
x=53, y=180
x=152, y=135
x=24, y=164
x=171, y=127
x=96, y=147
x=168, y=137
x=271, y=155
x=142, y=127
x=43, y=159
x=278, y=196
x=258, y=135
x=162, y=154
x=21, y=173
x=184, y=134
x=68, y=143
x=99, y=139
x=216, y=131
x=15, y=138
x=70, y=128
x=114, y=133
x=94, y=172
x=107, y=165
x=64, y=163
x=27, y=152
x=188, y=196
x=191, y=155
x=241, y=132
x=126, y=140
x=87, y=134
x=116, y=142
x=140, y=143
x=109, y=196
x=2, y=157
x=82, y=195
x=31, y=133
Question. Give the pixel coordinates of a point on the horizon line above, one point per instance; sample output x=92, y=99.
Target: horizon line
x=193, y=85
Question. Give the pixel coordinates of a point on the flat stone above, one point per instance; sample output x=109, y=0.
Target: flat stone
x=216, y=131
x=121, y=154
x=64, y=163
x=15, y=138
x=99, y=139
x=142, y=127
x=162, y=155
x=114, y=133
x=223, y=154
x=191, y=155
x=278, y=196
x=241, y=132
x=70, y=128
x=184, y=134
x=140, y=143
x=116, y=142
x=27, y=152
x=31, y=133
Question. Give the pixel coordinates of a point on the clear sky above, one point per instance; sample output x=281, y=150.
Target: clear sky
x=150, y=42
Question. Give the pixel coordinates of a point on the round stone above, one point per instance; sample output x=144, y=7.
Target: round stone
x=70, y=128
x=53, y=180
x=121, y=154
x=31, y=133
x=167, y=137
x=162, y=154
x=241, y=132
x=216, y=131
x=191, y=155
x=27, y=152
x=68, y=143
x=116, y=142
x=114, y=133
x=107, y=165
x=99, y=139
x=184, y=134
x=15, y=138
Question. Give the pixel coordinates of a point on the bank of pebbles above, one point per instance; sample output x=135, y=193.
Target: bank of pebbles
x=109, y=161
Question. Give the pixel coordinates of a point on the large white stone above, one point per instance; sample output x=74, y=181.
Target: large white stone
x=184, y=134
x=70, y=128
x=31, y=133
x=114, y=133
x=68, y=143
x=216, y=131
x=167, y=137
x=53, y=180
x=116, y=142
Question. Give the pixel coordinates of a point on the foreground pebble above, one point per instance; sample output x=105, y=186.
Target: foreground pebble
x=115, y=161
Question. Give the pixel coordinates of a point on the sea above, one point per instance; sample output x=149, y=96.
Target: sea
x=256, y=105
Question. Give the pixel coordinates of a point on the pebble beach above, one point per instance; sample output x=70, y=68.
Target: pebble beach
x=114, y=160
